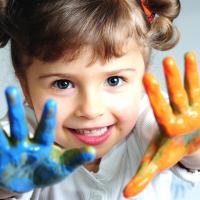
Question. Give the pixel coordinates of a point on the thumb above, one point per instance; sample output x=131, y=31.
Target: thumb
x=140, y=180
x=73, y=158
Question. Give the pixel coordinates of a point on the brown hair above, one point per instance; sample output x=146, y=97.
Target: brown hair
x=50, y=29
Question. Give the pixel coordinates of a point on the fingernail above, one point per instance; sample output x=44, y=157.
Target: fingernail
x=11, y=93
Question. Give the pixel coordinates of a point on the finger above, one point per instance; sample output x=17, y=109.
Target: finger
x=76, y=157
x=45, y=133
x=18, y=127
x=192, y=142
x=169, y=153
x=59, y=165
x=3, y=141
x=192, y=78
x=149, y=154
x=139, y=182
x=161, y=108
x=177, y=93
x=144, y=173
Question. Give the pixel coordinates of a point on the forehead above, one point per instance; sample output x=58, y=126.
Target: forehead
x=80, y=67
x=85, y=60
x=88, y=55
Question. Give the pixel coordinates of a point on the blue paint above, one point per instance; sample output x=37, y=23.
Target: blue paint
x=45, y=132
x=27, y=163
x=3, y=141
x=16, y=114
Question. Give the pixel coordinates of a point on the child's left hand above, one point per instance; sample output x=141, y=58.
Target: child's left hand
x=179, y=122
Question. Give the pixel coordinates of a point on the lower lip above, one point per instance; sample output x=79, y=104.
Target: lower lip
x=93, y=140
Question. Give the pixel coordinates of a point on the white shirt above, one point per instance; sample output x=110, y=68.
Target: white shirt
x=116, y=169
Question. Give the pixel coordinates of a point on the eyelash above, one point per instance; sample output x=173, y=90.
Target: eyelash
x=55, y=84
x=59, y=84
x=118, y=78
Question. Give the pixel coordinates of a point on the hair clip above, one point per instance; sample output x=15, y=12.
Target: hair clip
x=149, y=14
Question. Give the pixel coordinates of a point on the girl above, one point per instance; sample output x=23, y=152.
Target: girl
x=90, y=56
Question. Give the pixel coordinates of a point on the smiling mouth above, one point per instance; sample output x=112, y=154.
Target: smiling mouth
x=92, y=136
x=94, y=132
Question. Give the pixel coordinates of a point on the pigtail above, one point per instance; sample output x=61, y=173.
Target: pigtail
x=162, y=34
x=4, y=37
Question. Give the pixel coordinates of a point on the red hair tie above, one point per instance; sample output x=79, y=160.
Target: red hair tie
x=149, y=14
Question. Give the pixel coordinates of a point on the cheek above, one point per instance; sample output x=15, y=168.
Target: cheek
x=127, y=107
x=38, y=106
x=38, y=98
x=38, y=112
x=127, y=110
x=60, y=116
x=126, y=117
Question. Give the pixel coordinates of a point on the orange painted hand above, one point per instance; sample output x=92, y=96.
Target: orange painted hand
x=178, y=120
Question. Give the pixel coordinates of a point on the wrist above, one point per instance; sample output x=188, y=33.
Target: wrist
x=4, y=194
x=189, y=175
x=191, y=161
x=186, y=168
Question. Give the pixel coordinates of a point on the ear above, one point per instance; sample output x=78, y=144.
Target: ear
x=25, y=89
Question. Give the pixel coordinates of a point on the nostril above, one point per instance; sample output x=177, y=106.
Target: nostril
x=89, y=113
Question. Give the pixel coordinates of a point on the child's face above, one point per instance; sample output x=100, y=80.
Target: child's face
x=97, y=103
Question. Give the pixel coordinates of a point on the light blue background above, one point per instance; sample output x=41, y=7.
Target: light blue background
x=188, y=23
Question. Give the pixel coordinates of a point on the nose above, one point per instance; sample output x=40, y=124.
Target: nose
x=90, y=105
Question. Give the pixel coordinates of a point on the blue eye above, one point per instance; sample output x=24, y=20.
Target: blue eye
x=63, y=84
x=114, y=81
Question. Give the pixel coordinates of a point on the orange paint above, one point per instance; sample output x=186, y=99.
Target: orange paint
x=179, y=121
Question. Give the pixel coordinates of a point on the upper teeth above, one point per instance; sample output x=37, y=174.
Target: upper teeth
x=95, y=132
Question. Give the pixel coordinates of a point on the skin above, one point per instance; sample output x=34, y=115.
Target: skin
x=96, y=97
x=89, y=101
x=27, y=163
x=178, y=121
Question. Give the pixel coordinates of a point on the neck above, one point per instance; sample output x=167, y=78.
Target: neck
x=93, y=166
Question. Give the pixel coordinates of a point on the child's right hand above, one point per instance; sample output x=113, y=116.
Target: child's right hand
x=27, y=163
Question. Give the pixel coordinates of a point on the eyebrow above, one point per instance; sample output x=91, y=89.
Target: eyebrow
x=121, y=70
x=64, y=75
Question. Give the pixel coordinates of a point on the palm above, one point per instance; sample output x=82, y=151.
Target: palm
x=27, y=163
x=178, y=121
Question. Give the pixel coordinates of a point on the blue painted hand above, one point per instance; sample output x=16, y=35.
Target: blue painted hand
x=27, y=163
